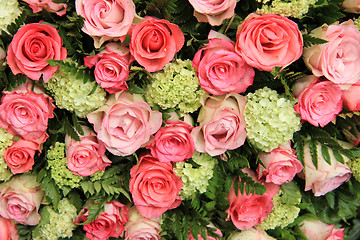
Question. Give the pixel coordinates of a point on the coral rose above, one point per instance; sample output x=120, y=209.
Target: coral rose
x=266, y=41
x=315, y=230
x=8, y=230
x=351, y=97
x=48, y=5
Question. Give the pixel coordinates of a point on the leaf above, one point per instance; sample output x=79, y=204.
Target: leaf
x=313, y=153
x=311, y=40
x=330, y=198
x=338, y=156
x=325, y=153
x=68, y=128
x=94, y=212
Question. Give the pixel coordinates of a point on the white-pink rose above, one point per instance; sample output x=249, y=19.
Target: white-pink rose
x=251, y=234
x=351, y=6
x=351, y=97
x=2, y=55
x=317, y=230
x=8, y=229
x=48, y=5
x=125, y=123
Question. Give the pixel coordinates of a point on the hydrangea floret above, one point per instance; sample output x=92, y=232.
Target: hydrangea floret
x=9, y=11
x=292, y=8
x=176, y=86
x=354, y=165
x=5, y=141
x=357, y=23
x=270, y=119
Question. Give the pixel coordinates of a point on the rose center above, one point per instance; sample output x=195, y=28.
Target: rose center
x=153, y=41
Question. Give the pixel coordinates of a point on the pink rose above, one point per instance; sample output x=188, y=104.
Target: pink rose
x=110, y=222
x=139, y=227
x=87, y=156
x=20, y=199
x=354, y=135
x=106, y=20
x=154, y=186
x=199, y=237
x=351, y=6
x=220, y=69
x=173, y=142
x=317, y=230
x=112, y=67
x=351, y=97
x=48, y=5
x=326, y=177
x=31, y=46
x=125, y=123
x=246, y=211
x=280, y=165
x=25, y=112
x=222, y=125
x=252, y=233
x=213, y=12
x=154, y=42
x=8, y=230
x=319, y=101
x=266, y=41
x=339, y=59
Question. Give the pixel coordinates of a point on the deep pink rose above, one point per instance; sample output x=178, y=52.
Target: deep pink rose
x=48, y=5
x=125, y=123
x=112, y=67
x=20, y=199
x=317, y=230
x=87, y=156
x=213, y=11
x=110, y=222
x=220, y=69
x=8, y=229
x=351, y=97
x=246, y=211
x=266, y=41
x=221, y=124
x=106, y=20
x=173, y=142
x=339, y=59
x=154, y=42
x=319, y=101
x=31, y=46
x=25, y=112
x=154, y=186
x=280, y=165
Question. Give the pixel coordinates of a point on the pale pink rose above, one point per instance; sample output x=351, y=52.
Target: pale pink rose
x=112, y=67
x=339, y=59
x=319, y=101
x=48, y=5
x=199, y=237
x=139, y=227
x=266, y=41
x=31, y=46
x=251, y=234
x=317, y=230
x=125, y=123
x=183, y=117
x=87, y=156
x=246, y=211
x=326, y=177
x=106, y=20
x=351, y=97
x=220, y=69
x=222, y=125
x=213, y=11
x=2, y=55
x=8, y=229
x=25, y=111
x=154, y=186
x=20, y=199
x=280, y=165
x=154, y=42
x=351, y=6
x=110, y=222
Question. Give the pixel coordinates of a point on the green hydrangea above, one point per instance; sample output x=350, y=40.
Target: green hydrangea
x=195, y=179
x=176, y=86
x=270, y=119
x=354, y=165
x=357, y=23
x=9, y=11
x=75, y=95
x=57, y=163
x=5, y=141
x=291, y=8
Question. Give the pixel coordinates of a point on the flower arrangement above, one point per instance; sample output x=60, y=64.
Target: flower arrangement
x=179, y=119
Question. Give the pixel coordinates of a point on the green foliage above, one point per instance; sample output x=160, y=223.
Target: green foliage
x=287, y=78
x=24, y=231
x=310, y=40
x=95, y=210
x=354, y=232
x=48, y=185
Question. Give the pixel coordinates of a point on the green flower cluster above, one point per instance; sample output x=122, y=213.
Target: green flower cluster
x=270, y=119
x=291, y=8
x=354, y=165
x=9, y=11
x=176, y=86
x=195, y=179
x=5, y=141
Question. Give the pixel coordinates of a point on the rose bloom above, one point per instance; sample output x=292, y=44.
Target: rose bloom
x=106, y=20
x=87, y=156
x=110, y=222
x=280, y=165
x=251, y=234
x=20, y=199
x=326, y=177
x=319, y=101
x=154, y=42
x=154, y=186
x=354, y=135
x=222, y=125
x=2, y=55
x=173, y=142
x=246, y=211
x=25, y=111
x=199, y=237
x=339, y=59
x=351, y=6
x=139, y=227
x=213, y=12
x=112, y=67
x=351, y=97
x=220, y=69
x=266, y=41
x=316, y=230
x=125, y=123
x=31, y=46
x=8, y=230
x=48, y=5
